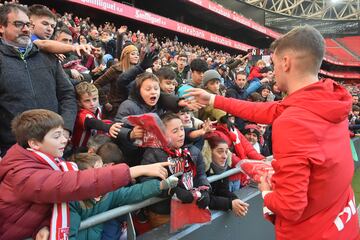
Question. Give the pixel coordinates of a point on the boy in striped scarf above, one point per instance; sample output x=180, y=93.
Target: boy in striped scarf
x=36, y=184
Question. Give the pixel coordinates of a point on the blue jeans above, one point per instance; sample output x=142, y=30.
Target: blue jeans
x=234, y=185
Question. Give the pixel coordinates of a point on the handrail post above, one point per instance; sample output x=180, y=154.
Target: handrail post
x=131, y=234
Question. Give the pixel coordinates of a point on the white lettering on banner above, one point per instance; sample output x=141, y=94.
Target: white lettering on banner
x=190, y=31
x=220, y=40
x=243, y=21
x=198, y=2
x=259, y=28
x=350, y=210
x=218, y=10
x=148, y=17
x=240, y=46
x=104, y=5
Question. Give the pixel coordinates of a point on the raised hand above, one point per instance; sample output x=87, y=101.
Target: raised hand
x=83, y=49
x=201, y=96
x=208, y=126
x=149, y=60
x=122, y=29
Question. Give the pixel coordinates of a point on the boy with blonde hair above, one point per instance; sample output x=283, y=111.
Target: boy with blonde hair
x=88, y=119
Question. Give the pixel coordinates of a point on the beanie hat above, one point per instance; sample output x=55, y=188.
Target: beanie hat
x=265, y=86
x=223, y=67
x=252, y=128
x=127, y=50
x=210, y=75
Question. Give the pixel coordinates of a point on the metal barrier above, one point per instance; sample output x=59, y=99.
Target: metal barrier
x=120, y=211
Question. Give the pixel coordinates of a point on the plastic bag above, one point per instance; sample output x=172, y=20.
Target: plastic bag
x=154, y=135
x=255, y=169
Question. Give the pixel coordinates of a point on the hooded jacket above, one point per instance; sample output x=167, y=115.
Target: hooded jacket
x=29, y=188
x=312, y=196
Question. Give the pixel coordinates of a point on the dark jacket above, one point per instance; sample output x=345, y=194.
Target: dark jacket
x=220, y=197
x=29, y=188
x=116, y=95
x=36, y=80
x=155, y=155
x=242, y=93
x=135, y=106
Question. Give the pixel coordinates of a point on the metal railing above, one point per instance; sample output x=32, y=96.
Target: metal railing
x=125, y=209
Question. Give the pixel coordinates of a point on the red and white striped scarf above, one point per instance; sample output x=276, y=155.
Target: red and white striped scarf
x=60, y=220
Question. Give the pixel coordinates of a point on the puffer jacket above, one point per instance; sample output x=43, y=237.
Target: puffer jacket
x=30, y=188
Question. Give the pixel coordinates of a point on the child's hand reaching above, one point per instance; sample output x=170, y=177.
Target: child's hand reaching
x=43, y=234
x=151, y=170
x=170, y=182
x=115, y=129
x=208, y=126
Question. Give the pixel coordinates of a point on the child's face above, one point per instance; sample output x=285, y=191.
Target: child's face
x=252, y=138
x=150, y=92
x=185, y=118
x=197, y=77
x=265, y=92
x=53, y=143
x=175, y=132
x=219, y=154
x=156, y=65
x=213, y=86
x=89, y=102
x=261, y=65
x=168, y=85
x=356, y=113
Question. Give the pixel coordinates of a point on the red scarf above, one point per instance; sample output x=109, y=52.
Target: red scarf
x=60, y=220
x=183, y=163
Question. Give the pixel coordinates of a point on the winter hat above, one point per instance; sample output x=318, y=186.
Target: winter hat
x=252, y=128
x=265, y=86
x=127, y=50
x=210, y=75
x=223, y=67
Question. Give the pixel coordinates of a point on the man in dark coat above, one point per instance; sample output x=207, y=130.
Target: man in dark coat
x=29, y=78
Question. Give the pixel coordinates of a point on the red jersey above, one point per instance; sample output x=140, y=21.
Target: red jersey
x=81, y=135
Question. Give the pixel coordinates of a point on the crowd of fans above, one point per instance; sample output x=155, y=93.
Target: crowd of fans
x=103, y=74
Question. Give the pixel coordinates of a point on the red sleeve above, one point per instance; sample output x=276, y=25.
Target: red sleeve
x=44, y=185
x=234, y=160
x=264, y=113
x=82, y=115
x=249, y=150
x=295, y=147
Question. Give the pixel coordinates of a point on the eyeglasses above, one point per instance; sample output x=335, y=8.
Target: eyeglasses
x=21, y=25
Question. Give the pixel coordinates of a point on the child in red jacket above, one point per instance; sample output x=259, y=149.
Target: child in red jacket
x=35, y=181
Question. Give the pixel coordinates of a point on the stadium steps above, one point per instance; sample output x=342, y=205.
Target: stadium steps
x=346, y=49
